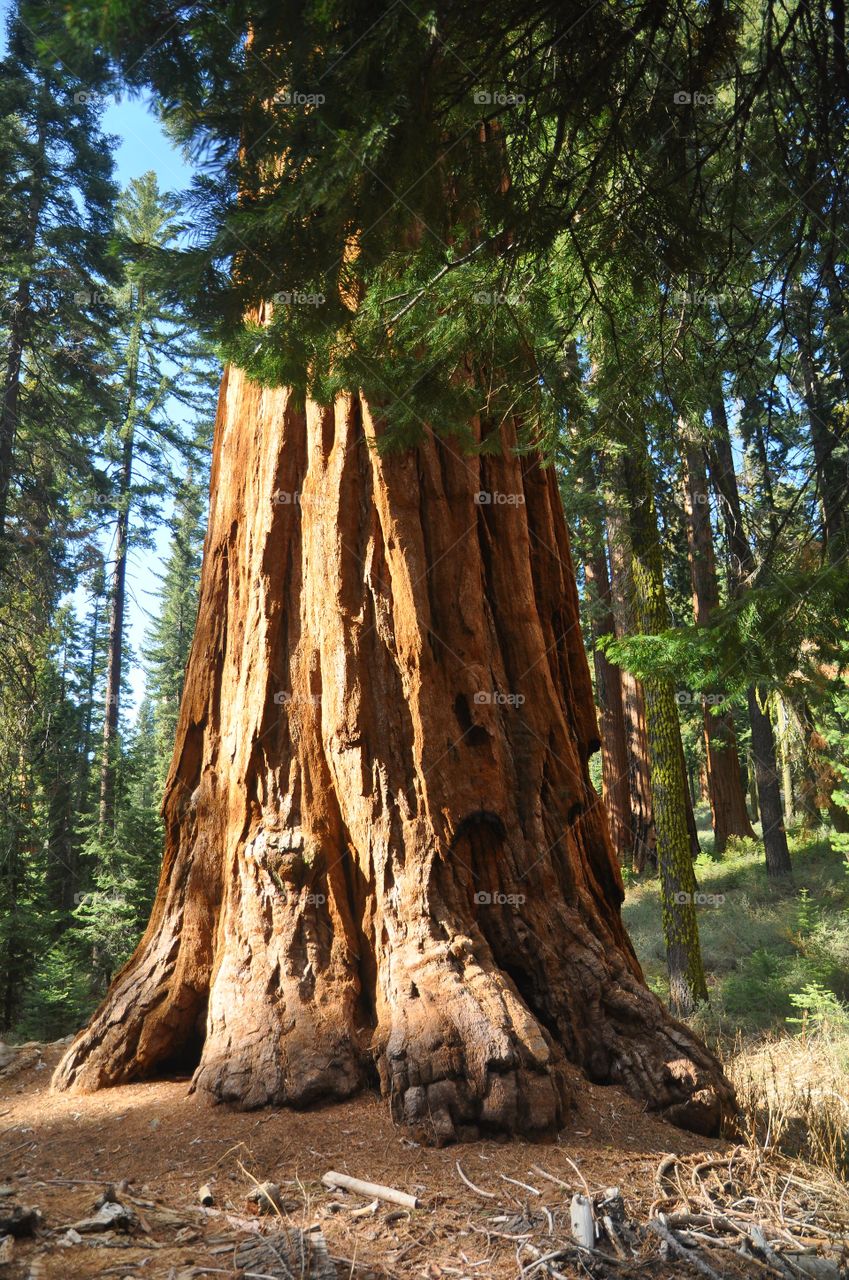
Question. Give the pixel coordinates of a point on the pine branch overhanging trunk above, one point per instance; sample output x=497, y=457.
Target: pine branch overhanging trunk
x=382, y=846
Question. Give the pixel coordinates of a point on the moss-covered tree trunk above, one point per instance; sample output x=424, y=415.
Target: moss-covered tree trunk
x=670, y=796
x=384, y=858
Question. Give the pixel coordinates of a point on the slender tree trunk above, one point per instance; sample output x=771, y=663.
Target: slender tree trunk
x=670, y=800
x=784, y=748
x=830, y=443
x=769, y=788
x=692, y=829
x=11, y=398
x=741, y=568
x=609, y=693
x=18, y=821
x=643, y=831
x=83, y=780
x=725, y=792
x=753, y=786
x=118, y=591
x=382, y=845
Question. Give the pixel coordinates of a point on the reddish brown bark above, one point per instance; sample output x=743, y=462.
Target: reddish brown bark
x=383, y=848
x=725, y=792
x=643, y=833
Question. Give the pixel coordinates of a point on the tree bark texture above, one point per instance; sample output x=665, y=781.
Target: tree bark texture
x=615, y=766
x=384, y=858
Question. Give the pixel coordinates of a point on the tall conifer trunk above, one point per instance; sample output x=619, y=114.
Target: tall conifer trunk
x=643, y=831
x=725, y=791
x=742, y=564
x=615, y=772
x=118, y=586
x=670, y=795
x=382, y=846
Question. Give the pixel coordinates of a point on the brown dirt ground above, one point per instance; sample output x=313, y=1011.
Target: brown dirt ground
x=59, y=1152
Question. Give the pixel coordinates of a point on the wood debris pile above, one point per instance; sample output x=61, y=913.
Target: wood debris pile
x=723, y=1217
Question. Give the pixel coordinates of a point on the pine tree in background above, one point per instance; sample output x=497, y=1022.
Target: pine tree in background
x=55, y=225
x=170, y=634
x=55, y=228
x=163, y=371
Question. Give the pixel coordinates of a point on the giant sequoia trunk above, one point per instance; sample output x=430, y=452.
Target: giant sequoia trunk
x=383, y=849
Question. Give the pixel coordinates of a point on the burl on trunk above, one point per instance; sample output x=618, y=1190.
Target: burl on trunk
x=384, y=855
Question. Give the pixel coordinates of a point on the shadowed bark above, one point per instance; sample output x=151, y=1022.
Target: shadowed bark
x=384, y=858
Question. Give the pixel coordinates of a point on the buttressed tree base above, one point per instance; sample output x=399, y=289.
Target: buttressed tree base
x=384, y=857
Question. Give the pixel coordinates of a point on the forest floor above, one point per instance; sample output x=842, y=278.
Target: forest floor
x=150, y=1147
x=154, y=1147
x=59, y=1152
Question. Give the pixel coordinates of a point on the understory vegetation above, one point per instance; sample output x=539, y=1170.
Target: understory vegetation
x=777, y=969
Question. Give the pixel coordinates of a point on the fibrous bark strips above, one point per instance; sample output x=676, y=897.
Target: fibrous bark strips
x=384, y=856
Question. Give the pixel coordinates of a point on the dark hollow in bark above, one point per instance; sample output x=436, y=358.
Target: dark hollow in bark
x=383, y=848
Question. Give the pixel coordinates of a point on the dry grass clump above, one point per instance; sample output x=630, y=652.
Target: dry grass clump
x=793, y=1092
